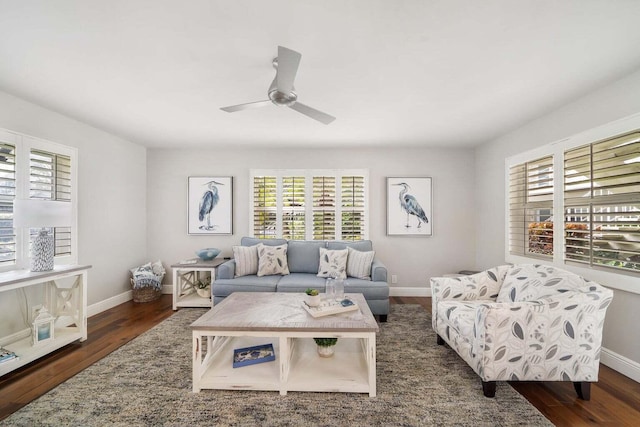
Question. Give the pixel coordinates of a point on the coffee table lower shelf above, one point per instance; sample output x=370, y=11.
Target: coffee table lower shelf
x=298, y=367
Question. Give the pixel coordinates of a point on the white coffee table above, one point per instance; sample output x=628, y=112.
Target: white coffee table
x=246, y=319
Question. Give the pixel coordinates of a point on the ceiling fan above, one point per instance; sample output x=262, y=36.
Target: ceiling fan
x=281, y=92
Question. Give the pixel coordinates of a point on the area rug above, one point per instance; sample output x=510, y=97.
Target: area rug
x=147, y=382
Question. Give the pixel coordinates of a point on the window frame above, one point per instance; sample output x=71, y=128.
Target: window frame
x=23, y=146
x=309, y=175
x=617, y=279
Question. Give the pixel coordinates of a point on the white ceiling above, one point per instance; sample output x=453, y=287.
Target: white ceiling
x=442, y=73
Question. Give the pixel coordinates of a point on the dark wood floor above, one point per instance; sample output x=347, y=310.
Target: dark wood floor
x=615, y=399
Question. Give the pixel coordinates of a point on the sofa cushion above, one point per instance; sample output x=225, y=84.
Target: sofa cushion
x=529, y=282
x=299, y=282
x=333, y=263
x=225, y=287
x=370, y=290
x=304, y=256
x=359, y=245
x=359, y=263
x=272, y=260
x=246, y=258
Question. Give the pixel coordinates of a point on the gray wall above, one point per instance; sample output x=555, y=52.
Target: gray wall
x=412, y=259
x=111, y=193
x=610, y=103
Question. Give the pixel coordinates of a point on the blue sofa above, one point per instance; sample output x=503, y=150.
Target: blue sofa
x=303, y=258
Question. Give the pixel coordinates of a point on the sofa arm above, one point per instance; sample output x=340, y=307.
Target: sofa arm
x=552, y=339
x=480, y=286
x=227, y=270
x=378, y=271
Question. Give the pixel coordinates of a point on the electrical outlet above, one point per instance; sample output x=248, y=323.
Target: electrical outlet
x=394, y=278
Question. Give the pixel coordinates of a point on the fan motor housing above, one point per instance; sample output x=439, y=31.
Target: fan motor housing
x=281, y=99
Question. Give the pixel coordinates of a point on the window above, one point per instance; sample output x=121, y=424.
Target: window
x=594, y=222
x=531, y=208
x=50, y=179
x=36, y=169
x=309, y=205
x=7, y=195
x=264, y=207
x=352, y=190
x=602, y=203
x=324, y=207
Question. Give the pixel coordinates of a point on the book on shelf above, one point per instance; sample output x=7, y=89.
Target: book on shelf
x=7, y=355
x=327, y=308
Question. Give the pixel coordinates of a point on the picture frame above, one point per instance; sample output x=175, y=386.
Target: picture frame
x=409, y=206
x=43, y=327
x=210, y=205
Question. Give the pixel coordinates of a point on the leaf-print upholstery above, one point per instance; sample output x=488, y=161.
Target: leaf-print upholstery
x=533, y=323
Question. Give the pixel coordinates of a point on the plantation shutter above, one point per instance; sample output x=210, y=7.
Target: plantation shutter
x=50, y=179
x=7, y=196
x=264, y=207
x=602, y=203
x=324, y=207
x=293, y=204
x=353, y=206
x=531, y=208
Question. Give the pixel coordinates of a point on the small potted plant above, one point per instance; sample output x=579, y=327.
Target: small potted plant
x=326, y=346
x=203, y=288
x=313, y=297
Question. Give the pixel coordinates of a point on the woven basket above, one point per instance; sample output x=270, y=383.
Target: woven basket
x=145, y=294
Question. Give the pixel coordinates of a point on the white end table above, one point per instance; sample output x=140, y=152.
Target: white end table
x=185, y=277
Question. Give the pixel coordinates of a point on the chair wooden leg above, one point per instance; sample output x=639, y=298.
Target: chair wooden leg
x=382, y=318
x=489, y=388
x=439, y=340
x=583, y=389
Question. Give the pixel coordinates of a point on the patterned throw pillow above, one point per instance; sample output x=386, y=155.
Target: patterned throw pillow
x=333, y=263
x=246, y=258
x=359, y=264
x=272, y=260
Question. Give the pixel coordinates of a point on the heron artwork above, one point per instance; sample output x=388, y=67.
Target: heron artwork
x=410, y=205
x=209, y=200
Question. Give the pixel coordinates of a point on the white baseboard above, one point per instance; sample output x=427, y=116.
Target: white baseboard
x=619, y=363
x=101, y=306
x=409, y=292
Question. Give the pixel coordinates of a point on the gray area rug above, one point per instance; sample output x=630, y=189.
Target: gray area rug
x=147, y=382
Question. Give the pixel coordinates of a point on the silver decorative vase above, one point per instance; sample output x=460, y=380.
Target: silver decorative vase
x=42, y=251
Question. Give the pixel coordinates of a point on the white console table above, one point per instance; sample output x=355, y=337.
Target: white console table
x=66, y=301
x=185, y=277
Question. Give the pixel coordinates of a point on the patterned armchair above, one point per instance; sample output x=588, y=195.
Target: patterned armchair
x=523, y=323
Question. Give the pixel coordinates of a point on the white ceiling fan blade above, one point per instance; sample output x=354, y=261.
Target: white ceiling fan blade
x=246, y=106
x=288, y=61
x=313, y=113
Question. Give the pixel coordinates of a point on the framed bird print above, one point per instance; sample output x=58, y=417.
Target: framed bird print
x=210, y=205
x=409, y=206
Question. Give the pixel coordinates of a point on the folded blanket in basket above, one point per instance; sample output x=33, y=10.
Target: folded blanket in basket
x=148, y=275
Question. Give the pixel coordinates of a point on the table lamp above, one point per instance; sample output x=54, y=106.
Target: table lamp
x=44, y=214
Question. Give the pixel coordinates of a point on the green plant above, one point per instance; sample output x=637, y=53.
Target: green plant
x=202, y=284
x=326, y=342
x=311, y=292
